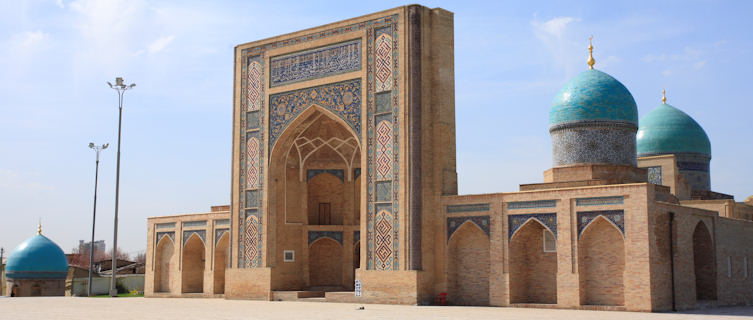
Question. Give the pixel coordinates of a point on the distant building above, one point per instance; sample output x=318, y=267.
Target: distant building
x=99, y=246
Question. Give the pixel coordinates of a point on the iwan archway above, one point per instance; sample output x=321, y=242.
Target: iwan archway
x=314, y=203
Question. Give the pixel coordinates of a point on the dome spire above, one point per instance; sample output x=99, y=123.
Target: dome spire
x=39, y=229
x=663, y=96
x=590, y=60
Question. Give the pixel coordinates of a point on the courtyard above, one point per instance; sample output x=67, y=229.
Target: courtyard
x=201, y=308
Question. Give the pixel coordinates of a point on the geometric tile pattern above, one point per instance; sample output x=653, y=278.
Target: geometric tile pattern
x=254, y=87
x=252, y=167
x=167, y=225
x=384, y=150
x=453, y=223
x=342, y=98
x=194, y=224
x=599, y=201
x=476, y=207
x=654, y=175
x=334, y=235
x=531, y=204
x=383, y=63
x=253, y=243
x=515, y=221
x=594, y=143
x=384, y=239
x=218, y=234
x=615, y=216
x=383, y=191
x=201, y=233
x=315, y=63
x=170, y=234
x=311, y=173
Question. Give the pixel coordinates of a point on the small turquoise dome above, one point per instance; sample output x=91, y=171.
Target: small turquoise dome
x=668, y=130
x=37, y=258
x=593, y=95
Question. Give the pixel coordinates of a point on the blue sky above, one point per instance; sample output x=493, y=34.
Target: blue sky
x=511, y=58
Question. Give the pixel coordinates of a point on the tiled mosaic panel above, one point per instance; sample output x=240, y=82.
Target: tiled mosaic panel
x=315, y=63
x=531, y=204
x=383, y=191
x=383, y=63
x=218, y=234
x=334, y=235
x=384, y=150
x=342, y=98
x=615, y=216
x=194, y=224
x=474, y=207
x=654, y=175
x=252, y=199
x=167, y=225
x=222, y=222
x=252, y=239
x=599, y=201
x=252, y=120
x=159, y=236
x=201, y=233
x=515, y=221
x=383, y=104
x=252, y=161
x=384, y=241
x=593, y=145
x=454, y=223
x=311, y=173
x=254, y=85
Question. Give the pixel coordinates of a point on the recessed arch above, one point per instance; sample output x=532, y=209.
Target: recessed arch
x=325, y=263
x=604, y=219
x=533, y=272
x=532, y=220
x=704, y=264
x=601, y=264
x=192, y=273
x=326, y=200
x=221, y=254
x=468, y=266
x=472, y=224
x=302, y=121
x=162, y=257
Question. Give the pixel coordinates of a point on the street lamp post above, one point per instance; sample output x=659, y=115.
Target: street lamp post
x=121, y=89
x=97, y=149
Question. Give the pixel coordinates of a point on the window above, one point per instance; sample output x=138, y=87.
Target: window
x=288, y=255
x=550, y=242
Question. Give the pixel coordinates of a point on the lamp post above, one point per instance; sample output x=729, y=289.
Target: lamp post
x=97, y=149
x=121, y=89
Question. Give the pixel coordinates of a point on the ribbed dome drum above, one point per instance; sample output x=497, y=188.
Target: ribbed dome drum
x=668, y=130
x=593, y=120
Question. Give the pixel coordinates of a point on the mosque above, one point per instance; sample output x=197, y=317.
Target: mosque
x=344, y=188
x=37, y=267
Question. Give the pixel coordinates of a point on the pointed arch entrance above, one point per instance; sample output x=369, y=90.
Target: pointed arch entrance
x=220, y=262
x=468, y=266
x=601, y=264
x=314, y=189
x=193, y=265
x=162, y=258
x=704, y=264
x=533, y=271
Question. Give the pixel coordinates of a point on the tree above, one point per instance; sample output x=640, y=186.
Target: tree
x=140, y=257
x=120, y=254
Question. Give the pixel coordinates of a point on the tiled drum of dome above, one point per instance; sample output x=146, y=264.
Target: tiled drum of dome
x=593, y=145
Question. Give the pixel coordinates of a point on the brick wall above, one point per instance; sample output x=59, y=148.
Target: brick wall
x=468, y=266
x=325, y=259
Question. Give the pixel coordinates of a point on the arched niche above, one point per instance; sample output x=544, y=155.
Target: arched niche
x=468, y=266
x=192, y=274
x=533, y=270
x=601, y=264
x=704, y=264
x=325, y=263
x=162, y=257
x=220, y=262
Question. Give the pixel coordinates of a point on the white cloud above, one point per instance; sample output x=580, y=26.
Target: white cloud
x=59, y=3
x=28, y=40
x=159, y=44
x=553, y=34
x=554, y=27
x=698, y=65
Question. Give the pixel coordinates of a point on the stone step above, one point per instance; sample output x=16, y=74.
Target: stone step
x=341, y=296
x=296, y=295
x=316, y=299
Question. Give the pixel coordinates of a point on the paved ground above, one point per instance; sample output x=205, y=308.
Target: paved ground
x=186, y=309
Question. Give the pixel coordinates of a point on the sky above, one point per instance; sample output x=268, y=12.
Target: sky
x=511, y=58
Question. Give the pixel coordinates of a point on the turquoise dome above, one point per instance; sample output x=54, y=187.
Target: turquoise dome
x=668, y=130
x=37, y=258
x=593, y=96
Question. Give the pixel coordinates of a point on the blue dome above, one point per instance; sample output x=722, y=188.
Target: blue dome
x=593, y=96
x=668, y=130
x=37, y=258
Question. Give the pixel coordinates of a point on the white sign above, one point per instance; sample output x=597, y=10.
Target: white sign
x=358, y=288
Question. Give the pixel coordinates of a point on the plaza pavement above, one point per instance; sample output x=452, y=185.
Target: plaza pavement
x=198, y=308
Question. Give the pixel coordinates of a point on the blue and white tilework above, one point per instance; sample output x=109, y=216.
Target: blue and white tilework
x=615, y=216
x=334, y=235
x=453, y=223
x=473, y=207
x=315, y=63
x=515, y=221
x=531, y=204
x=599, y=201
x=201, y=233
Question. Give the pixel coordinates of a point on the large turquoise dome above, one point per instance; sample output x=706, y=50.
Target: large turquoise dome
x=593, y=96
x=37, y=258
x=668, y=130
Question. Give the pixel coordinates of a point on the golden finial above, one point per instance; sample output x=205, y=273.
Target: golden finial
x=39, y=230
x=590, y=60
x=663, y=96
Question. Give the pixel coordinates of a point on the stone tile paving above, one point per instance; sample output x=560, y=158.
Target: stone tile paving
x=187, y=309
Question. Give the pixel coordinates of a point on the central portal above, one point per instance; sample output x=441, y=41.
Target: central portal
x=315, y=195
